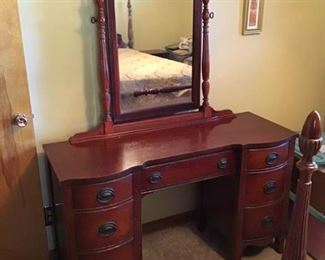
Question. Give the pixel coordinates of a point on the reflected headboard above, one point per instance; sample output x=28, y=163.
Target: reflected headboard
x=130, y=43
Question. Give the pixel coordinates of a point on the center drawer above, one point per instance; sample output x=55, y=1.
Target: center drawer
x=187, y=170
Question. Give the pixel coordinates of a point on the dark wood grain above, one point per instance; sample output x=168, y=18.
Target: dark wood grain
x=114, y=121
x=104, y=67
x=120, y=253
x=87, y=225
x=135, y=150
x=200, y=167
x=259, y=158
x=260, y=222
x=86, y=196
x=206, y=60
x=265, y=187
x=309, y=143
x=181, y=155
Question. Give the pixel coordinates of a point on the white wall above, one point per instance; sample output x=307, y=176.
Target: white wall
x=278, y=74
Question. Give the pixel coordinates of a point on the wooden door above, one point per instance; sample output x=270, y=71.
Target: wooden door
x=22, y=231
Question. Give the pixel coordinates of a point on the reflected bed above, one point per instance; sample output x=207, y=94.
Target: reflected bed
x=147, y=80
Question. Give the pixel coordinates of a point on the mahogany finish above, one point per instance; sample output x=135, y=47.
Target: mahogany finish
x=266, y=158
x=243, y=161
x=309, y=143
x=102, y=194
x=262, y=222
x=254, y=212
x=116, y=124
x=265, y=187
x=120, y=253
x=165, y=158
x=177, y=172
x=92, y=233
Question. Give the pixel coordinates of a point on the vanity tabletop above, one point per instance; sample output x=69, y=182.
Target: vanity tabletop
x=106, y=158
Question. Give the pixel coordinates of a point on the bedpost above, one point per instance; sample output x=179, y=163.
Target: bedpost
x=104, y=70
x=130, y=26
x=206, y=60
x=309, y=143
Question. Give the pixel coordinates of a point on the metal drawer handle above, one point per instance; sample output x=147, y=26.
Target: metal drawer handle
x=107, y=229
x=106, y=195
x=267, y=222
x=272, y=158
x=155, y=178
x=270, y=187
x=223, y=163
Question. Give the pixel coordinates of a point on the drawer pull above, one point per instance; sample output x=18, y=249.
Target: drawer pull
x=107, y=229
x=155, y=178
x=272, y=158
x=269, y=187
x=267, y=222
x=106, y=195
x=223, y=163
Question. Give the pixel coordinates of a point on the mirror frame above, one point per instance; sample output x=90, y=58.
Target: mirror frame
x=111, y=129
x=113, y=75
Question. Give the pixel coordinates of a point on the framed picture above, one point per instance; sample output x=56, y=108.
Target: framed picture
x=253, y=16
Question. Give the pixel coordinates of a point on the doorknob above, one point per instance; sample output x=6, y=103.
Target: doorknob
x=20, y=120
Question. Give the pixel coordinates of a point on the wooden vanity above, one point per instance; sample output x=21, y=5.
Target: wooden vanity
x=98, y=185
x=242, y=161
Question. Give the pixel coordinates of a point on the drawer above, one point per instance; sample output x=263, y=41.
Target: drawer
x=103, y=228
x=180, y=172
x=102, y=194
x=267, y=157
x=125, y=252
x=262, y=222
x=265, y=187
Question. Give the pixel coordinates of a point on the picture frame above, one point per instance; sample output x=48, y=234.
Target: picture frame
x=253, y=17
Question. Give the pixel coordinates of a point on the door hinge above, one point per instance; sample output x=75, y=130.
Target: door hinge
x=48, y=215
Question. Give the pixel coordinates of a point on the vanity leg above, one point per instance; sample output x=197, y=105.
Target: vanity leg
x=202, y=218
x=279, y=243
x=137, y=217
x=237, y=251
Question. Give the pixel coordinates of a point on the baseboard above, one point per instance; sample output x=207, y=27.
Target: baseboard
x=168, y=222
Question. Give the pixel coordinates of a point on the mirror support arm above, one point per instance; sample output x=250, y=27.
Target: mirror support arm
x=206, y=61
x=104, y=69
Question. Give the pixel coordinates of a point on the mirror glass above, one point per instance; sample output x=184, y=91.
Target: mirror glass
x=155, y=48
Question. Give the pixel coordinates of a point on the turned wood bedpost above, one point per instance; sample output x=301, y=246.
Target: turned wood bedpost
x=206, y=60
x=309, y=143
x=104, y=69
x=130, y=26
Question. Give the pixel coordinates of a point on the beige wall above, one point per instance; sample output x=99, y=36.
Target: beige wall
x=156, y=24
x=278, y=74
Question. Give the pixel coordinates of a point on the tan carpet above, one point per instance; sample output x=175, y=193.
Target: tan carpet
x=182, y=242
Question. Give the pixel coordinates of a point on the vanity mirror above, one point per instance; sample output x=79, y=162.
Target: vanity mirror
x=155, y=57
x=155, y=64
x=152, y=54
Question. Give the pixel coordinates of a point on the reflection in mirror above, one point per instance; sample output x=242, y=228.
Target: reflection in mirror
x=155, y=53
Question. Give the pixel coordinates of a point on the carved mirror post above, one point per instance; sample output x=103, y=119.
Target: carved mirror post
x=153, y=81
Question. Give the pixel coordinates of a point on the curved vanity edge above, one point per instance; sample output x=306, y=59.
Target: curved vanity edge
x=264, y=241
x=109, y=248
x=268, y=120
x=113, y=158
